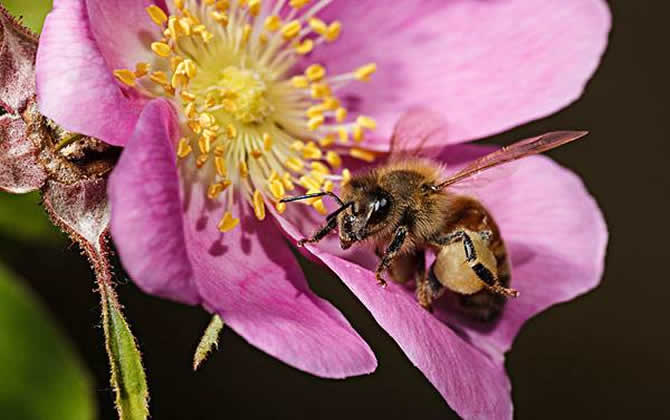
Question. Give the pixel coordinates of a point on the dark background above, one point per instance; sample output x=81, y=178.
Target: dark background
x=604, y=355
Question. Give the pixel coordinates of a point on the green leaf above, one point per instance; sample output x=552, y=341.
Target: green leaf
x=42, y=378
x=128, y=377
x=209, y=339
x=21, y=217
x=32, y=11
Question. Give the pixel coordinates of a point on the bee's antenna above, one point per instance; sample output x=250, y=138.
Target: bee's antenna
x=314, y=195
x=342, y=208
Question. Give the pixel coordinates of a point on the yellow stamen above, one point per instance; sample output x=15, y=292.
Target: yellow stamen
x=333, y=31
x=288, y=183
x=204, y=145
x=340, y=114
x=320, y=207
x=272, y=23
x=320, y=90
x=298, y=4
x=358, y=133
x=315, y=122
x=291, y=29
x=125, y=76
x=315, y=72
x=267, y=142
x=295, y=164
x=142, y=69
x=318, y=26
x=277, y=189
x=254, y=7
x=159, y=77
x=343, y=134
x=311, y=151
x=346, y=176
x=220, y=17
x=327, y=141
x=366, y=122
x=157, y=14
x=161, y=49
x=219, y=150
x=362, y=154
x=187, y=96
x=299, y=82
x=333, y=159
x=259, y=205
x=228, y=222
x=214, y=190
x=255, y=153
x=309, y=182
x=364, y=73
x=281, y=207
x=201, y=160
x=183, y=148
x=220, y=164
x=304, y=47
x=320, y=167
x=328, y=186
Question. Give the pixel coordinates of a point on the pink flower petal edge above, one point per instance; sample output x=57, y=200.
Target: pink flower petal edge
x=75, y=86
x=556, y=237
x=171, y=247
x=486, y=66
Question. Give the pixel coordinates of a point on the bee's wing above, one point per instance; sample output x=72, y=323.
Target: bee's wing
x=516, y=151
x=412, y=132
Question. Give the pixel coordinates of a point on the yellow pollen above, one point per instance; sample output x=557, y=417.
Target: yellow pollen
x=333, y=159
x=231, y=131
x=220, y=17
x=320, y=207
x=298, y=4
x=160, y=48
x=315, y=110
x=315, y=72
x=183, y=148
x=311, y=151
x=291, y=29
x=328, y=186
x=333, y=31
x=178, y=80
x=206, y=119
x=214, y=190
x=157, y=14
x=259, y=205
x=267, y=142
x=331, y=103
x=295, y=164
x=174, y=62
x=340, y=114
x=318, y=26
x=358, y=133
x=220, y=164
x=315, y=122
x=189, y=111
x=364, y=73
x=201, y=160
x=281, y=207
x=309, y=182
x=272, y=23
x=159, y=77
x=343, y=134
x=327, y=141
x=366, y=122
x=320, y=167
x=320, y=177
x=304, y=47
x=204, y=144
x=244, y=169
x=299, y=82
x=187, y=96
x=142, y=69
x=219, y=150
x=274, y=176
x=320, y=90
x=362, y=154
x=254, y=7
x=125, y=76
x=228, y=222
x=287, y=181
x=277, y=189
x=346, y=176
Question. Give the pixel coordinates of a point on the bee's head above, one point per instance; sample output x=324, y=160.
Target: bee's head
x=367, y=214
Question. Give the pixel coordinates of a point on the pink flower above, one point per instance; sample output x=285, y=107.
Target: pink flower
x=256, y=105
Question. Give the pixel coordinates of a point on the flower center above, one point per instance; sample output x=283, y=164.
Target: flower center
x=254, y=124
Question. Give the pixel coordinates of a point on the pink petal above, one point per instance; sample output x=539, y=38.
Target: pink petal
x=75, y=85
x=485, y=65
x=146, y=220
x=473, y=384
x=248, y=276
x=122, y=30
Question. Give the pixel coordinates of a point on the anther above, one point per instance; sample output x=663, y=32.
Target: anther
x=304, y=47
x=362, y=154
x=272, y=23
x=340, y=114
x=259, y=205
x=267, y=142
x=277, y=189
x=318, y=26
x=254, y=7
x=320, y=207
x=333, y=31
x=315, y=122
x=291, y=29
x=299, y=82
x=161, y=49
x=183, y=148
x=201, y=160
x=228, y=222
x=220, y=164
x=281, y=207
x=364, y=73
x=315, y=72
x=295, y=164
x=366, y=122
x=125, y=76
x=244, y=169
x=333, y=159
x=157, y=15
x=142, y=69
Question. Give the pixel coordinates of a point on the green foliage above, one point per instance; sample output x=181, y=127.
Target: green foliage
x=32, y=11
x=209, y=340
x=42, y=379
x=128, y=377
x=21, y=217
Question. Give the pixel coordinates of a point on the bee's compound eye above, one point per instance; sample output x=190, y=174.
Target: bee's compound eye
x=380, y=209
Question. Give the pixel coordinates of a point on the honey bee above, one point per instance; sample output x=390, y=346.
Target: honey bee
x=404, y=208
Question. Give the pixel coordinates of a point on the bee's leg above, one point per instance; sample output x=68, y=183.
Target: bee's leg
x=407, y=267
x=391, y=252
x=484, y=274
x=320, y=234
x=428, y=288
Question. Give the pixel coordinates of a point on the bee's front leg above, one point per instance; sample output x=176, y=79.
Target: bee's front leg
x=320, y=234
x=391, y=252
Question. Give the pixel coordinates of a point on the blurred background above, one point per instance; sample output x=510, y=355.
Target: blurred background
x=604, y=355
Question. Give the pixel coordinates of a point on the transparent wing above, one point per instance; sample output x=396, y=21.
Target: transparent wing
x=413, y=130
x=532, y=146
